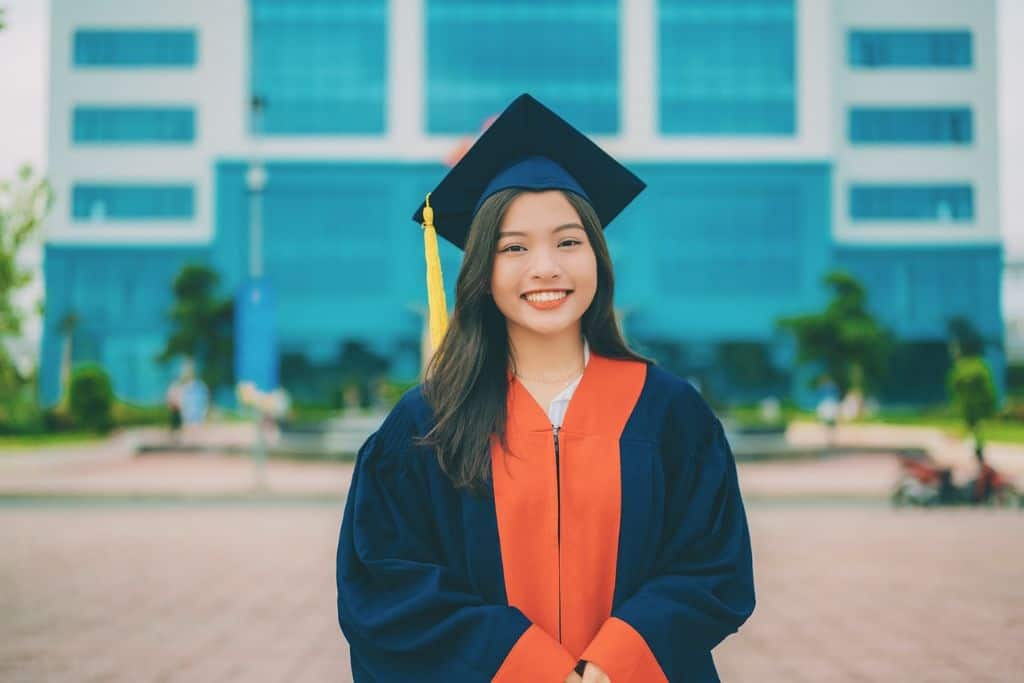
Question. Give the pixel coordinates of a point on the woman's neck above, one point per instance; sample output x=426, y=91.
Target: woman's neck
x=546, y=357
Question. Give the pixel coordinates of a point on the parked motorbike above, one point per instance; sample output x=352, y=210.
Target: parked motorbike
x=924, y=482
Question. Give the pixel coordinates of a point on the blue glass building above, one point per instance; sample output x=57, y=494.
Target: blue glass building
x=779, y=138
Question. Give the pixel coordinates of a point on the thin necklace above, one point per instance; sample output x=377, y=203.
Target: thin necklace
x=550, y=381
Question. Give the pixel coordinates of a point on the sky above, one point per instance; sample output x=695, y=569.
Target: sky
x=23, y=113
x=23, y=66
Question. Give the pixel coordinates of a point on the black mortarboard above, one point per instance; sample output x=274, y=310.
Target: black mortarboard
x=527, y=146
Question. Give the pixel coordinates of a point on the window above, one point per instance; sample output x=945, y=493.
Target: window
x=727, y=68
x=894, y=49
x=109, y=202
x=912, y=203
x=910, y=125
x=481, y=54
x=763, y=215
x=320, y=66
x=133, y=124
x=147, y=48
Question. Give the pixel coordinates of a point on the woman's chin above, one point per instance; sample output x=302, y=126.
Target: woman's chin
x=547, y=328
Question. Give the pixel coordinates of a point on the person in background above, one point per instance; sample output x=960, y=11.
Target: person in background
x=191, y=397
x=173, y=401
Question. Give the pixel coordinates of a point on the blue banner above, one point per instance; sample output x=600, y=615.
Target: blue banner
x=255, y=335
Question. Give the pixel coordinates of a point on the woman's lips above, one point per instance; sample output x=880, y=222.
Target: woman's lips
x=548, y=305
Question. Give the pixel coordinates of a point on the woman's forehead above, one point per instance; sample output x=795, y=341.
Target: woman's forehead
x=539, y=212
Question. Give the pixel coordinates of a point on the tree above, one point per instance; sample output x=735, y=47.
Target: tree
x=202, y=326
x=24, y=204
x=845, y=338
x=973, y=394
x=964, y=338
x=91, y=399
x=360, y=368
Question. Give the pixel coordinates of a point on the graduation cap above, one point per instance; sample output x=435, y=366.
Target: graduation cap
x=528, y=146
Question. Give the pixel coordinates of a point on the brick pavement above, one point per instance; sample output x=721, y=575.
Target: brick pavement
x=209, y=474
x=192, y=474
x=245, y=592
x=112, y=469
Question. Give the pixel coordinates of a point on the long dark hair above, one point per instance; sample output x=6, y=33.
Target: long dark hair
x=466, y=381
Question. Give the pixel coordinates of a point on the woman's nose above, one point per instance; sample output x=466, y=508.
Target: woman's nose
x=544, y=264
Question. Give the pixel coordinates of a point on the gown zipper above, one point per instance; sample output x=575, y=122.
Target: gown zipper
x=558, y=494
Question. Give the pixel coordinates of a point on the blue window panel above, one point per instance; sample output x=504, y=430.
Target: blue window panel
x=334, y=246
x=135, y=48
x=320, y=66
x=897, y=49
x=912, y=203
x=727, y=67
x=719, y=215
x=481, y=54
x=134, y=124
x=121, y=295
x=915, y=290
x=676, y=248
x=677, y=267
x=913, y=125
x=105, y=202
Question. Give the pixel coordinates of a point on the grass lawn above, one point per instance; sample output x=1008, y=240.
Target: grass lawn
x=1007, y=431
x=32, y=441
x=1003, y=430
x=991, y=430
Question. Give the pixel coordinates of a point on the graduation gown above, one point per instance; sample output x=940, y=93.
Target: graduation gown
x=620, y=538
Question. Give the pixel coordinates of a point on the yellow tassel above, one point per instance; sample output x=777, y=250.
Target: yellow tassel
x=435, y=280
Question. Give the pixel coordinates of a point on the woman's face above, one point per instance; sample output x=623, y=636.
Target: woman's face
x=545, y=271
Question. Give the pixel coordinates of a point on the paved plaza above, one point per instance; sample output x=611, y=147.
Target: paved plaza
x=244, y=591
x=179, y=567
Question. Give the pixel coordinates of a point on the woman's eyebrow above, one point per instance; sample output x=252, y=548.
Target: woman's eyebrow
x=565, y=226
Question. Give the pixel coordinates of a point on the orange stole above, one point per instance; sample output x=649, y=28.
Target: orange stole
x=572, y=582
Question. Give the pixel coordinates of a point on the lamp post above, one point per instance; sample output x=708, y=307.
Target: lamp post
x=255, y=353
x=255, y=183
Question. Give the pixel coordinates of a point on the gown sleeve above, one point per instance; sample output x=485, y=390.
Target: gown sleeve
x=407, y=614
x=702, y=587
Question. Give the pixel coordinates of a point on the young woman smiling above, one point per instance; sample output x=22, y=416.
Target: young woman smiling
x=548, y=505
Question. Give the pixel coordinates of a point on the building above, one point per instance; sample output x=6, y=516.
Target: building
x=779, y=139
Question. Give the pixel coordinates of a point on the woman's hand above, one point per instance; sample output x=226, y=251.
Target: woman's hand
x=573, y=678
x=593, y=674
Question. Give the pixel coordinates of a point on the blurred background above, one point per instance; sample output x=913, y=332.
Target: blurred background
x=211, y=292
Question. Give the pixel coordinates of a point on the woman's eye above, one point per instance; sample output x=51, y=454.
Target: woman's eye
x=570, y=242
x=511, y=247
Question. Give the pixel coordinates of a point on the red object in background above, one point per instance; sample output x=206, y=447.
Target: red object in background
x=922, y=470
x=990, y=481
x=460, y=150
x=991, y=484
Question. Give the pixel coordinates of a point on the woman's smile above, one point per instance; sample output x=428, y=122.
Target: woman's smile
x=548, y=299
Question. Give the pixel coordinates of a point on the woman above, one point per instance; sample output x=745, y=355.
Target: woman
x=496, y=529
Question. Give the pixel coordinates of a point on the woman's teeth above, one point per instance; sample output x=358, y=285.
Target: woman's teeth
x=547, y=296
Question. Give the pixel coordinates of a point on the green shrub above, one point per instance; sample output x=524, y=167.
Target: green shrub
x=19, y=413
x=91, y=398
x=972, y=391
x=56, y=419
x=391, y=391
x=132, y=415
x=1015, y=379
